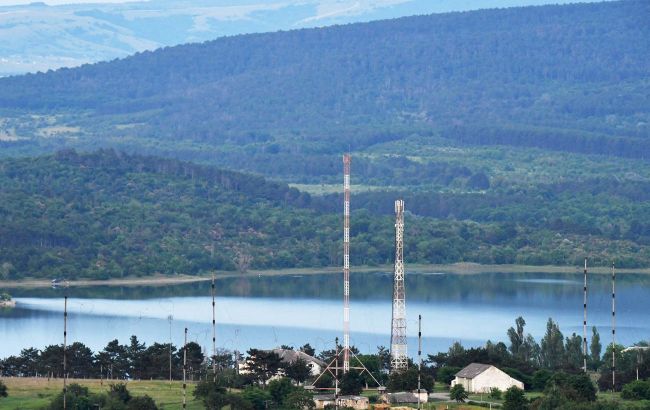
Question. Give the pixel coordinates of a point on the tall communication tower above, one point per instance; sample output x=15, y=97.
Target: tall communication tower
x=398, y=354
x=346, y=262
x=333, y=368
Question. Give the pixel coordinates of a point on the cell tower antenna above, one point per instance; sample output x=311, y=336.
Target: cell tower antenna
x=613, y=328
x=398, y=348
x=214, y=335
x=584, y=322
x=333, y=367
x=346, y=262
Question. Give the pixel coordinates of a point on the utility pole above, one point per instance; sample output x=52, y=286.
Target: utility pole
x=584, y=323
x=170, y=318
x=346, y=262
x=419, y=359
x=613, y=329
x=65, y=342
x=185, y=371
x=214, y=335
x=398, y=348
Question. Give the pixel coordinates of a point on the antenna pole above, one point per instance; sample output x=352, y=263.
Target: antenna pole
x=398, y=348
x=185, y=370
x=613, y=328
x=65, y=342
x=170, y=317
x=214, y=335
x=584, y=323
x=419, y=358
x=346, y=262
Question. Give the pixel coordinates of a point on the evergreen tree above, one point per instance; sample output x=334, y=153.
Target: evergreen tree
x=552, y=346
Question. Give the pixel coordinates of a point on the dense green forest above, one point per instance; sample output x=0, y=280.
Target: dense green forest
x=569, y=78
x=108, y=214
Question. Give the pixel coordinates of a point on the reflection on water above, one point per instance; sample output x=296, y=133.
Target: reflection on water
x=269, y=311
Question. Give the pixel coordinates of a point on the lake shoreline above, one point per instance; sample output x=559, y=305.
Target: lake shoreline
x=457, y=268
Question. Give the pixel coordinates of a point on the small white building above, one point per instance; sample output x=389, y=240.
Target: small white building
x=480, y=378
x=287, y=357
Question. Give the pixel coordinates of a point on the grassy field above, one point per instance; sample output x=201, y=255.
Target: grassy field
x=35, y=393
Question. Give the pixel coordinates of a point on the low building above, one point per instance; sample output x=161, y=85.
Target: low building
x=406, y=397
x=355, y=402
x=481, y=378
x=289, y=356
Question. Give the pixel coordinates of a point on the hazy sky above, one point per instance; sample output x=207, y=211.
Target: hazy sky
x=497, y=3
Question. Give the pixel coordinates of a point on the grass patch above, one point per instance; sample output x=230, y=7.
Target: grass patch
x=34, y=393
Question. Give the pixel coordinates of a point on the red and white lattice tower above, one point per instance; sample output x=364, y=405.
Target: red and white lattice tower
x=346, y=262
x=398, y=353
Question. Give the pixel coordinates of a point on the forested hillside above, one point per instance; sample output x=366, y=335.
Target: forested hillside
x=569, y=78
x=108, y=214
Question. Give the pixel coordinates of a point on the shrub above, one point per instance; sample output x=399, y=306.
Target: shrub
x=637, y=390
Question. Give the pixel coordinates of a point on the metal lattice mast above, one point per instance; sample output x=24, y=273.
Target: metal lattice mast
x=613, y=328
x=346, y=262
x=399, y=360
x=584, y=322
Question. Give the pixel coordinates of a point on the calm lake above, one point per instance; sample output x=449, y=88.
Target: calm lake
x=266, y=312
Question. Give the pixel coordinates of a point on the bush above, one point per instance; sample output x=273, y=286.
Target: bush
x=3, y=389
x=141, y=403
x=515, y=399
x=495, y=393
x=446, y=374
x=458, y=393
x=637, y=390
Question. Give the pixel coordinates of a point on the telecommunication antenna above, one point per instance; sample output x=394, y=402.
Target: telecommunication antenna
x=65, y=342
x=333, y=367
x=214, y=335
x=185, y=371
x=584, y=322
x=398, y=347
x=419, y=359
x=346, y=262
x=613, y=328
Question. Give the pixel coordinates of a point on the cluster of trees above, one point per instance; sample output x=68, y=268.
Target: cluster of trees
x=108, y=214
x=553, y=366
x=115, y=361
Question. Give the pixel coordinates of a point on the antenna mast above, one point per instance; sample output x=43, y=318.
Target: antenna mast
x=419, y=358
x=613, y=328
x=65, y=342
x=584, y=323
x=214, y=336
x=346, y=262
x=399, y=360
x=185, y=370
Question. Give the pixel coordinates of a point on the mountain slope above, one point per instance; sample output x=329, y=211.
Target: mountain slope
x=48, y=37
x=571, y=78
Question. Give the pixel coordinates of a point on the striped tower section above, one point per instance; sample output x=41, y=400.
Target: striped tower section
x=346, y=262
x=584, y=322
x=398, y=353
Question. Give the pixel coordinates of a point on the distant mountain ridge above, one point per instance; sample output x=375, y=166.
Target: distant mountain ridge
x=48, y=37
x=570, y=78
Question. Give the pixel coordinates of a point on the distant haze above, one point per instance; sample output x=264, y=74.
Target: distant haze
x=67, y=33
